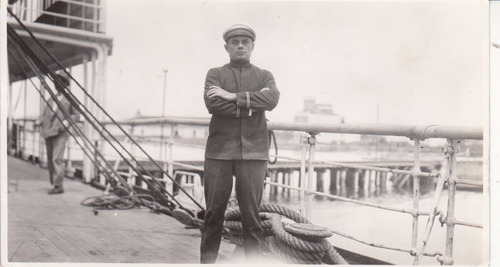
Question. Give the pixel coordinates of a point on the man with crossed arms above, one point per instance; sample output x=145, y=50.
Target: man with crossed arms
x=237, y=95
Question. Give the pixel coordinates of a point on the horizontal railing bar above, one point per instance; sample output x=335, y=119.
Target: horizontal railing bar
x=364, y=203
x=286, y=157
x=63, y=16
x=476, y=225
x=81, y=3
x=366, y=167
x=359, y=166
x=147, y=139
x=188, y=166
x=422, y=132
x=282, y=185
x=433, y=254
x=469, y=182
x=141, y=139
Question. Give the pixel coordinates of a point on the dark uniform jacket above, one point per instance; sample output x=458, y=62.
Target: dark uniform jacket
x=238, y=130
x=50, y=125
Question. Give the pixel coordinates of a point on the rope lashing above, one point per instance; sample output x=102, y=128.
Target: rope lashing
x=299, y=242
x=123, y=202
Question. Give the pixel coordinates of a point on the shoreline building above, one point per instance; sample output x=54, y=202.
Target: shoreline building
x=150, y=126
x=315, y=112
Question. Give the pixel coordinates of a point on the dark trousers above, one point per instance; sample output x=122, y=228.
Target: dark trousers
x=55, y=152
x=218, y=183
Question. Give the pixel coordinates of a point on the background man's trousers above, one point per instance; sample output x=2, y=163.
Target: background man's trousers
x=55, y=151
x=218, y=184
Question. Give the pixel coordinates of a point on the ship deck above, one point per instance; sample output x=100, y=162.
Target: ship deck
x=57, y=228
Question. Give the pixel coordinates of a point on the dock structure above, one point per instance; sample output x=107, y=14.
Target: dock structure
x=327, y=179
x=56, y=228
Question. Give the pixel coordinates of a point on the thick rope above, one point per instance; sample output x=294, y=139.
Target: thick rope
x=295, y=242
x=235, y=214
x=308, y=247
x=275, y=247
x=335, y=257
x=296, y=253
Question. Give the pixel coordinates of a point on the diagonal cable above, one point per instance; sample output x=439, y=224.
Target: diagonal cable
x=77, y=130
x=70, y=97
x=115, y=123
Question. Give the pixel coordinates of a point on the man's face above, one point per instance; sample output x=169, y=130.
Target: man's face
x=239, y=48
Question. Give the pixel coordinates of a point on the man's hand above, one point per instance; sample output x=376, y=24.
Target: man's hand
x=265, y=89
x=216, y=91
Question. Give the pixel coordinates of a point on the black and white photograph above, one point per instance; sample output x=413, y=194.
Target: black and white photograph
x=161, y=132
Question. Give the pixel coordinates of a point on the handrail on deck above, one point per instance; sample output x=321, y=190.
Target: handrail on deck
x=410, y=131
x=417, y=133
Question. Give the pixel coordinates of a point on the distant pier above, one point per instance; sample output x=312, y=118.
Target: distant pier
x=341, y=181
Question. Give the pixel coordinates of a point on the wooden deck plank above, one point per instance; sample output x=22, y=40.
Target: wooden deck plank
x=68, y=251
x=56, y=228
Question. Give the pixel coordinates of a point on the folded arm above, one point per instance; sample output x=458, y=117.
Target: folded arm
x=265, y=99
x=220, y=102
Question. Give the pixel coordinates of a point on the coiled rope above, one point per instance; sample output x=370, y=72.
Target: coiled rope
x=299, y=242
x=121, y=200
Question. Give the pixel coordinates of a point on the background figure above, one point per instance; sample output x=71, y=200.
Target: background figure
x=54, y=130
x=237, y=95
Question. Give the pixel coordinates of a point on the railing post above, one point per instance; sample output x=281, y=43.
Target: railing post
x=87, y=129
x=453, y=145
x=304, y=144
x=24, y=152
x=310, y=174
x=445, y=176
x=416, y=192
x=167, y=159
x=41, y=140
x=170, y=153
x=131, y=169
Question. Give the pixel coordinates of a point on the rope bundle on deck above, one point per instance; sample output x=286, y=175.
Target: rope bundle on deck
x=296, y=242
x=123, y=200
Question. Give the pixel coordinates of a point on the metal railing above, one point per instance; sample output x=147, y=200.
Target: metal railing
x=447, y=174
x=85, y=15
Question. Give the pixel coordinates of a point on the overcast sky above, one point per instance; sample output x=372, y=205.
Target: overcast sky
x=421, y=62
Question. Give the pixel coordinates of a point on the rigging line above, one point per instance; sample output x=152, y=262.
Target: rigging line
x=77, y=130
x=71, y=98
x=106, y=113
x=88, y=154
x=97, y=104
x=74, y=125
